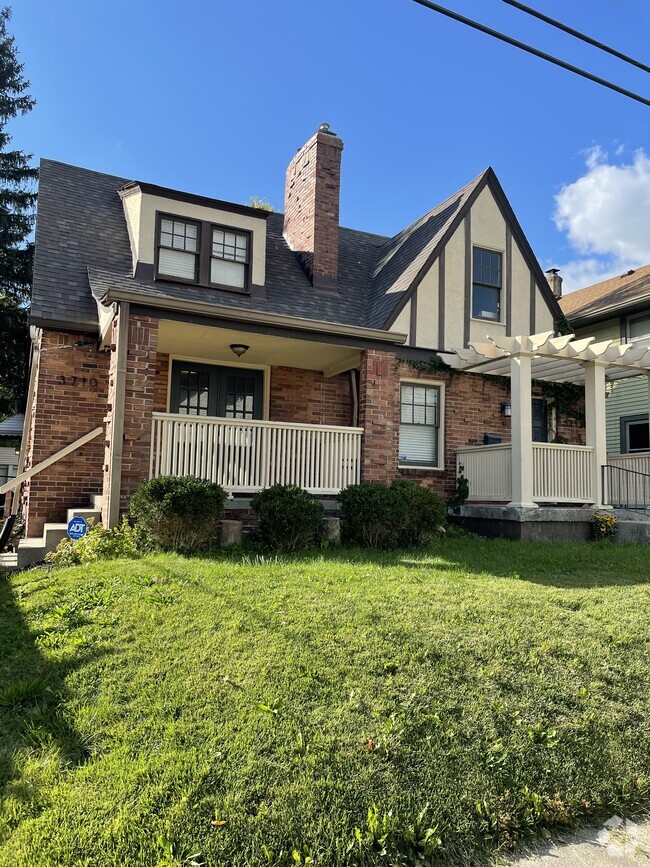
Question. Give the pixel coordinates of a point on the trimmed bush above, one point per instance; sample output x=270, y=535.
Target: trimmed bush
x=368, y=513
x=123, y=541
x=402, y=515
x=420, y=513
x=178, y=513
x=289, y=517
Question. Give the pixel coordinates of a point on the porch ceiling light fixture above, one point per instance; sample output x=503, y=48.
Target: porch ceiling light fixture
x=239, y=349
x=506, y=408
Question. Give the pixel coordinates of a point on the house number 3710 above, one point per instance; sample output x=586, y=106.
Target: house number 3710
x=78, y=381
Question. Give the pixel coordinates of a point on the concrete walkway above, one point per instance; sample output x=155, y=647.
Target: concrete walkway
x=619, y=843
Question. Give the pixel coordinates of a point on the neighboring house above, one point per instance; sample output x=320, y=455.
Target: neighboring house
x=177, y=333
x=11, y=431
x=619, y=310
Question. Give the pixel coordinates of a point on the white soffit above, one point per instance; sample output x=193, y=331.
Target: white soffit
x=555, y=359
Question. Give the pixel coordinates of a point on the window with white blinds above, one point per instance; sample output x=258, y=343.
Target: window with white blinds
x=419, y=425
x=178, y=249
x=229, y=260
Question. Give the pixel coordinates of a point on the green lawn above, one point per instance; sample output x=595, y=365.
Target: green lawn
x=432, y=706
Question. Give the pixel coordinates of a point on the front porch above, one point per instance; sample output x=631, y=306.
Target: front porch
x=521, y=476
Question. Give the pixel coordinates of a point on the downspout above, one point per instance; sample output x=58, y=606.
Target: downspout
x=117, y=424
x=34, y=334
x=354, y=389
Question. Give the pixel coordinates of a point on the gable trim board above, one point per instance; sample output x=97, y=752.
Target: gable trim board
x=467, y=222
x=490, y=180
x=508, y=285
x=441, y=298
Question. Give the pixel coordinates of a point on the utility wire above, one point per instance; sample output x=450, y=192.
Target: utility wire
x=588, y=39
x=529, y=48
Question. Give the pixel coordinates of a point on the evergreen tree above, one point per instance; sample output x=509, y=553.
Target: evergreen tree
x=17, y=201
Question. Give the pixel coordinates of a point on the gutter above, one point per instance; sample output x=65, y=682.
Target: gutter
x=217, y=311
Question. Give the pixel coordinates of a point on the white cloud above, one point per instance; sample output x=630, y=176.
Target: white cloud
x=605, y=215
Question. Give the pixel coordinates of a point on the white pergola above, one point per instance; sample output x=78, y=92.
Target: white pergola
x=554, y=359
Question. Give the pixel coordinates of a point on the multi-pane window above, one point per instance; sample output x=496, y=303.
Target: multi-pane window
x=178, y=249
x=419, y=430
x=229, y=258
x=486, y=284
x=193, y=392
x=239, y=396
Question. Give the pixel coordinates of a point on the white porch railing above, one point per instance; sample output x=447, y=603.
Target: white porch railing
x=248, y=456
x=561, y=473
x=637, y=461
x=488, y=470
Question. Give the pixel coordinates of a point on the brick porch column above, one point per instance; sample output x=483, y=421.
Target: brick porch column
x=133, y=372
x=379, y=415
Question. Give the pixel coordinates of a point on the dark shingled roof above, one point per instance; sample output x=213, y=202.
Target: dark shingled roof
x=83, y=250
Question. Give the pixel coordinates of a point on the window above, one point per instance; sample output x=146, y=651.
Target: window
x=638, y=327
x=178, y=249
x=7, y=472
x=229, y=258
x=635, y=434
x=486, y=285
x=419, y=425
x=194, y=251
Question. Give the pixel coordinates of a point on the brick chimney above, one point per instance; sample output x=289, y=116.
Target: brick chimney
x=311, y=207
x=555, y=281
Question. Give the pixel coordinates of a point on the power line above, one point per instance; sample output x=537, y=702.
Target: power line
x=560, y=26
x=535, y=51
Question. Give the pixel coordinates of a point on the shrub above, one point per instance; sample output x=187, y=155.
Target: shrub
x=376, y=516
x=419, y=513
x=369, y=515
x=462, y=490
x=100, y=543
x=178, y=513
x=289, y=517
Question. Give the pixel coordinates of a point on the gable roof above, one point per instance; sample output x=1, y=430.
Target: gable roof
x=83, y=251
x=609, y=296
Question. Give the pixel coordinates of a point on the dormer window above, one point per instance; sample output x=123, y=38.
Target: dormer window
x=229, y=258
x=178, y=249
x=201, y=252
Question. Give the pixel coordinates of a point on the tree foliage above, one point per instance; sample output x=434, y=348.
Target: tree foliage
x=17, y=202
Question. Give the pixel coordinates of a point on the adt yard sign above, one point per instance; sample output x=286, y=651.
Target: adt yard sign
x=77, y=528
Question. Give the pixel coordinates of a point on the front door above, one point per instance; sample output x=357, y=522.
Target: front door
x=214, y=390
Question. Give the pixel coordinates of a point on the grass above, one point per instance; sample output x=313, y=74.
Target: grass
x=432, y=707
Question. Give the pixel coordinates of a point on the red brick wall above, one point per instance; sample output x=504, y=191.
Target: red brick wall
x=139, y=400
x=311, y=205
x=70, y=400
x=472, y=409
x=307, y=396
x=161, y=381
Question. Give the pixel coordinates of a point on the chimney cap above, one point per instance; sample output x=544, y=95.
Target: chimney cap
x=553, y=271
x=325, y=127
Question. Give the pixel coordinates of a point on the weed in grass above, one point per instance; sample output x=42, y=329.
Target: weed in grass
x=24, y=692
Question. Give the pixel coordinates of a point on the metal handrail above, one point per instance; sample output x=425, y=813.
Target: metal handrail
x=625, y=489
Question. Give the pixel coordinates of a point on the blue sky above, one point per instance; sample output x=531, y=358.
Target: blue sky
x=215, y=97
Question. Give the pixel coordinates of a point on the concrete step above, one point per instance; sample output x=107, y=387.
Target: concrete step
x=9, y=562
x=52, y=535
x=97, y=501
x=93, y=515
x=30, y=552
x=633, y=531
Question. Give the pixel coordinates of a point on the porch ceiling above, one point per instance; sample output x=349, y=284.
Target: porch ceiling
x=211, y=344
x=555, y=359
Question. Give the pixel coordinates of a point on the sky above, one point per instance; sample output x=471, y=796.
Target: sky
x=214, y=98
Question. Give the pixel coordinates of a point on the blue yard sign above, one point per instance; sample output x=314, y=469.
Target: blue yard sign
x=77, y=528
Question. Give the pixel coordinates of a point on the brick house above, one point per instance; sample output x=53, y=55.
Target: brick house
x=176, y=333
